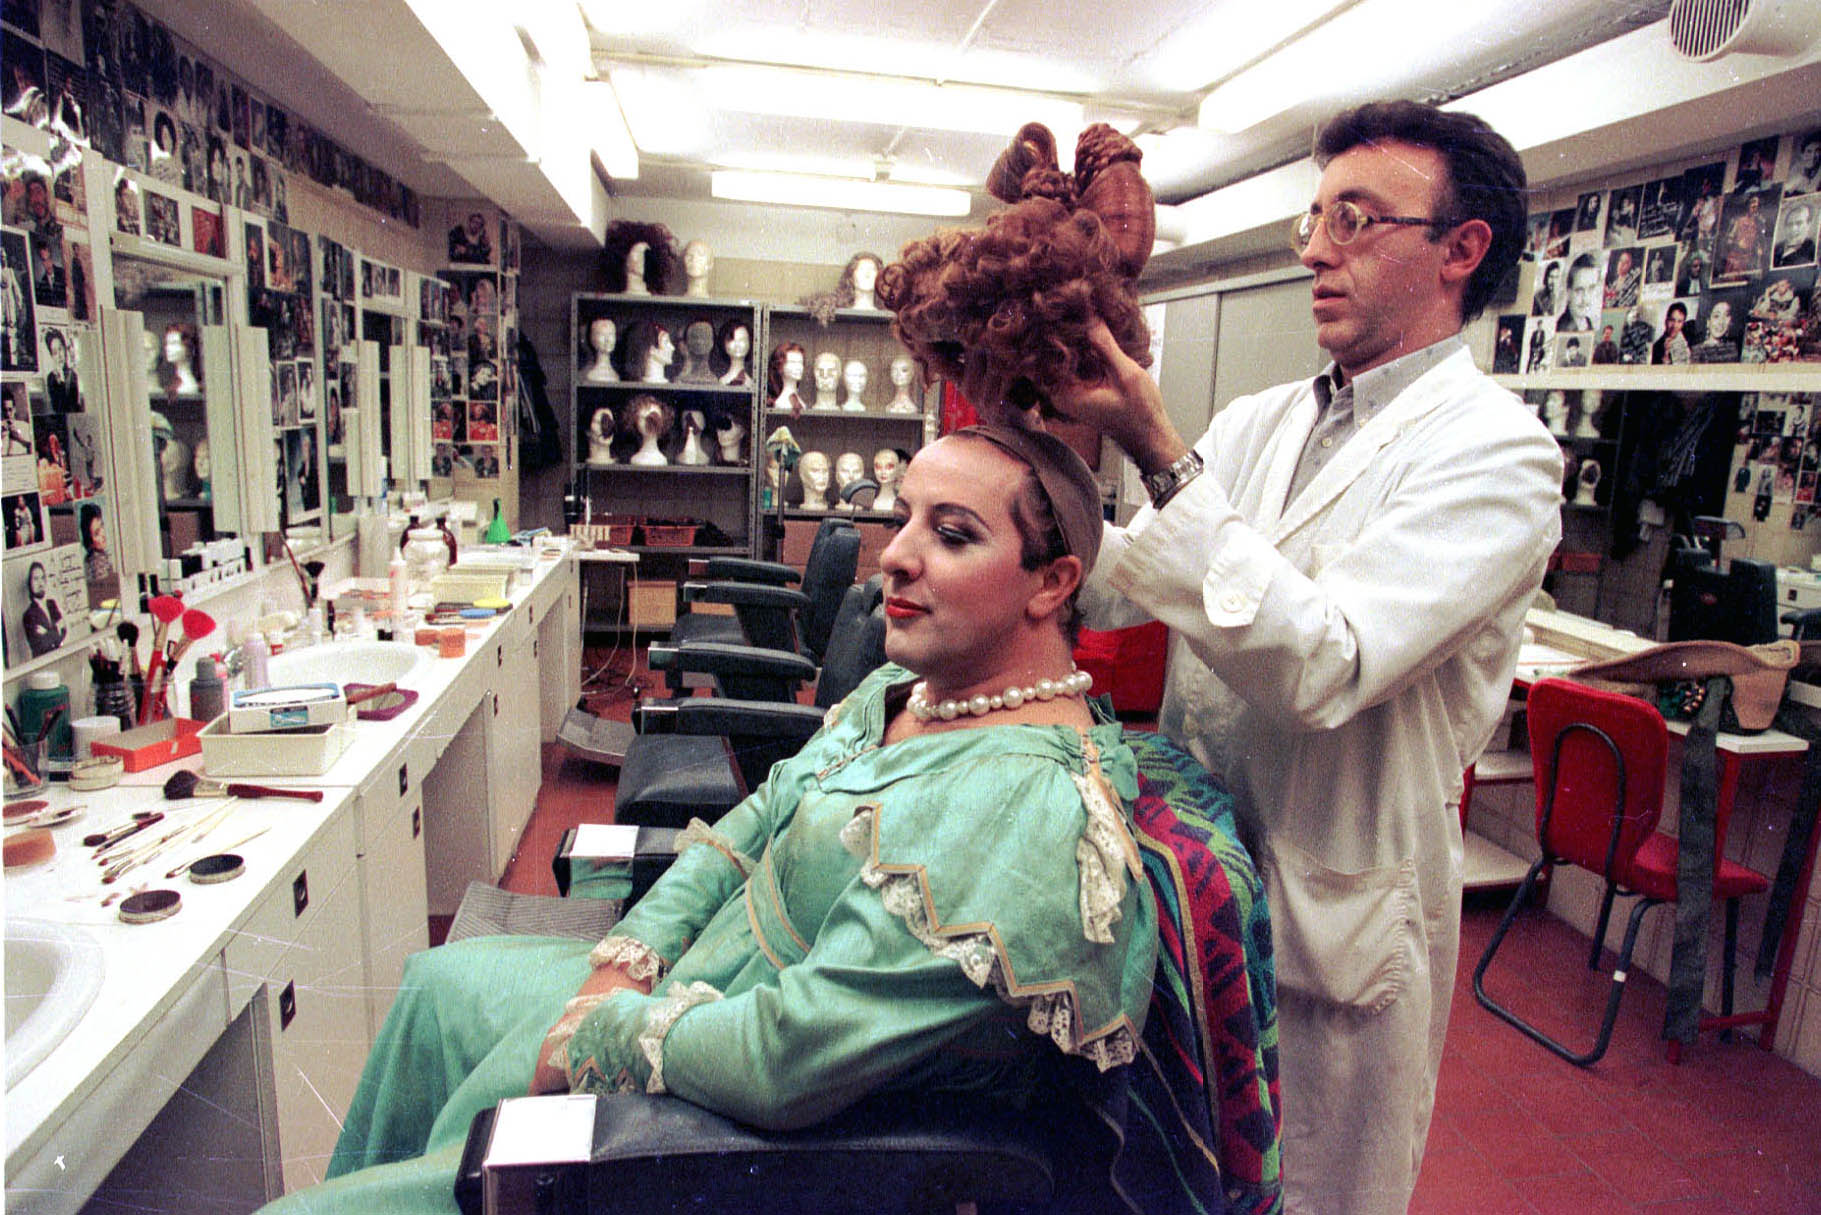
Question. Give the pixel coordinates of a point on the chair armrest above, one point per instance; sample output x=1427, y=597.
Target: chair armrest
x=887, y=1154
x=744, y=569
x=749, y=672
x=725, y=715
x=745, y=594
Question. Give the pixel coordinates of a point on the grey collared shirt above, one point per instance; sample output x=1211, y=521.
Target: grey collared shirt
x=1344, y=407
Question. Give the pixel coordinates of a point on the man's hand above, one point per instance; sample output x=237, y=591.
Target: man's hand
x=1125, y=404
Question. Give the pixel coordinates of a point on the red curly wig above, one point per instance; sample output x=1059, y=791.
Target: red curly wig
x=1024, y=290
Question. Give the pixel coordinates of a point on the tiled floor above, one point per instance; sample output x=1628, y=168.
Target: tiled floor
x=1733, y=1129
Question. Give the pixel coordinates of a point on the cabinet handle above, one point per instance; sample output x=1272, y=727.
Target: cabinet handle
x=499, y=655
x=417, y=822
x=404, y=778
x=300, y=892
x=534, y=642
x=287, y=1006
x=496, y=704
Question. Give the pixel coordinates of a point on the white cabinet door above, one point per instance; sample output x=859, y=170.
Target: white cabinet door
x=514, y=740
x=317, y=1017
x=394, y=902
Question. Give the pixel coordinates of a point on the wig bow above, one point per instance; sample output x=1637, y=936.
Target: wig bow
x=1106, y=181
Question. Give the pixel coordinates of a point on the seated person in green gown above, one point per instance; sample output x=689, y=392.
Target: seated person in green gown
x=940, y=892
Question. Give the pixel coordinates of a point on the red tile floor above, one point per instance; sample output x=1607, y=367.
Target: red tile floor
x=1732, y=1129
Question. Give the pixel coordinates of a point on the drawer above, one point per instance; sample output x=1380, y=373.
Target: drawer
x=282, y=916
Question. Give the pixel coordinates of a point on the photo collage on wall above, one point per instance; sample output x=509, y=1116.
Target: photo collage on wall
x=53, y=493
x=338, y=341
x=474, y=391
x=1776, y=457
x=102, y=73
x=1713, y=264
x=280, y=284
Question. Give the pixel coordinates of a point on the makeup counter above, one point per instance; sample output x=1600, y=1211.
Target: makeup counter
x=220, y=1046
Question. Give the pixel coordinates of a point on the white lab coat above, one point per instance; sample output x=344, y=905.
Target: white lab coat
x=1340, y=663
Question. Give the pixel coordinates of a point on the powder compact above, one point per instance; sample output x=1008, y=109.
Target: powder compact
x=149, y=906
x=221, y=867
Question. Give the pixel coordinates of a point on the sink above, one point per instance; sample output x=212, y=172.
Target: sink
x=347, y=662
x=52, y=974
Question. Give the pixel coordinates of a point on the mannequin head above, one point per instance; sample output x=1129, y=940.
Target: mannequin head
x=698, y=260
x=730, y=433
x=786, y=367
x=698, y=340
x=657, y=267
x=180, y=345
x=635, y=266
x=854, y=376
x=828, y=371
x=858, y=278
x=735, y=342
x=600, y=426
x=903, y=371
x=648, y=417
x=886, y=465
x=602, y=334
x=814, y=470
x=849, y=467
x=647, y=344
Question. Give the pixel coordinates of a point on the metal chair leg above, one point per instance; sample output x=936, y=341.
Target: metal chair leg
x=1599, y=931
x=1726, y=968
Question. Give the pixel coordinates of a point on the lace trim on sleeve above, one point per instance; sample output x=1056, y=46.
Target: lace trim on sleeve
x=1050, y=1014
x=699, y=832
x=658, y=1021
x=1104, y=854
x=573, y=1012
x=640, y=961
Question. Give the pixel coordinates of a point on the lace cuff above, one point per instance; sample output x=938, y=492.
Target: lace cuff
x=638, y=960
x=573, y=1013
x=658, y=1021
x=699, y=832
x=1051, y=1014
x=1104, y=854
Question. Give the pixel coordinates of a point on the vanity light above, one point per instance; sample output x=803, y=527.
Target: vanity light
x=839, y=193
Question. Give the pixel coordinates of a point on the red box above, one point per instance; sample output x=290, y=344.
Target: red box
x=158, y=743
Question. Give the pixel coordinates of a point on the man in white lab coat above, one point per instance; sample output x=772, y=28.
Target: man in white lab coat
x=1345, y=565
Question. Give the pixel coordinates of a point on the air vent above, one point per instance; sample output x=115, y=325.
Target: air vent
x=1707, y=29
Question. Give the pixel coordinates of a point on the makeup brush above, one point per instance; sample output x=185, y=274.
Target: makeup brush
x=184, y=783
x=197, y=624
x=107, y=839
x=167, y=609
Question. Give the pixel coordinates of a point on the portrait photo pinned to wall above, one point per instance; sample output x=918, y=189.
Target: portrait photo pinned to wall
x=24, y=517
x=50, y=271
x=1757, y=165
x=1745, y=235
x=57, y=359
x=1721, y=326
x=1587, y=211
x=18, y=311
x=1508, y=345
x=22, y=95
x=46, y=602
x=1804, y=176
x=82, y=281
x=1796, y=238
x=18, y=440
x=306, y=390
x=162, y=219
x=1622, y=216
x=1659, y=267
x=1624, y=276
x=1774, y=317
x=470, y=243
x=207, y=232
x=126, y=203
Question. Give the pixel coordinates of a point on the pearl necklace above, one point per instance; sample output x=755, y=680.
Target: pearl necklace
x=1075, y=683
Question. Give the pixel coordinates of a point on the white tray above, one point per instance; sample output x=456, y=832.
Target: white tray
x=310, y=751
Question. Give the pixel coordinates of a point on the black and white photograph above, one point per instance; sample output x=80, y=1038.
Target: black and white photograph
x=1508, y=345
x=1757, y=165
x=1622, y=216
x=306, y=390
x=1795, y=241
x=1804, y=176
x=57, y=359
x=24, y=515
x=470, y=243
x=126, y=204
x=18, y=312
x=1624, y=276
x=1661, y=214
x=18, y=441
x=1660, y=266
x=1703, y=188
x=163, y=222
x=23, y=96
x=1587, y=211
x=1583, y=293
x=50, y=272
x=1548, y=297
x=45, y=607
x=1721, y=326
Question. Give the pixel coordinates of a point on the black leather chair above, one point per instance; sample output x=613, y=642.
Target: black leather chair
x=698, y=756
x=767, y=611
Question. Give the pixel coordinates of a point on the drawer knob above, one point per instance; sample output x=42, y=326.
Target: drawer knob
x=300, y=892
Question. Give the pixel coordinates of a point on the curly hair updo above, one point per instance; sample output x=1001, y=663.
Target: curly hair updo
x=1024, y=290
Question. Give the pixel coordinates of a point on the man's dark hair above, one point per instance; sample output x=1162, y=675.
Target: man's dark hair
x=1486, y=178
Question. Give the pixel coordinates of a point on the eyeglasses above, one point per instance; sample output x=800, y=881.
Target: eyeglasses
x=1345, y=221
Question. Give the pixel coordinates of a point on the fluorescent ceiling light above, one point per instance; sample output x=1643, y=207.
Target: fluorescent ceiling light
x=1213, y=45
x=793, y=93
x=612, y=140
x=554, y=28
x=838, y=193
x=1339, y=59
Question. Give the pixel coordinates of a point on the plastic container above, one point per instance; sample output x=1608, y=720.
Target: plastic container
x=206, y=691
x=309, y=751
x=426, y=556
x=45, y=695
x=113, y=698
x=258, y=660
x=398, y=589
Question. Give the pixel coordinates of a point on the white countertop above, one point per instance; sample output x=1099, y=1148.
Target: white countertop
x=148, y=968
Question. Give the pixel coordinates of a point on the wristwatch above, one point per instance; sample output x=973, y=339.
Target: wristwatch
x=1163, y=484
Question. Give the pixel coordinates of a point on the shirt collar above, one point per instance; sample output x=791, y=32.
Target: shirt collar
x=1374, y=389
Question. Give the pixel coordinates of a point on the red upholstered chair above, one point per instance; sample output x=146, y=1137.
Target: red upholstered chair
x=1600, y=761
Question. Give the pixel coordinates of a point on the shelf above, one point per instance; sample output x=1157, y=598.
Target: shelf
x=715, y=389
x=689, y=550
x=666, y=301
x=848, y=415
x=1709, y=377
x=685, y=470
x=841, y=314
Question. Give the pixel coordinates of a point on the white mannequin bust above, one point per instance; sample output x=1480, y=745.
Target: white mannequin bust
x=603, y=334
x=828, y=379
x=737, y=347
x=600, y=437
x=866, y=277
x=1584, y=427
x=853, y=378
x=698, y=344
x=1555, y=413
x=698, y=260
x=204, y=465
x=663, y=352
x=651, y=419
x=694, y=423
x=730, y=439
x=1586, y=481
x=635, y=269
x=850, y=466
x=813, y=470
x=177, y=356
x=173, y=459
x=792, y=376
x=903, y=375
x=886, y=470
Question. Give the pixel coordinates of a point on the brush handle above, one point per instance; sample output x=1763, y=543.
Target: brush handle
x=366, y=694
x=302, y=795
x=154, y=685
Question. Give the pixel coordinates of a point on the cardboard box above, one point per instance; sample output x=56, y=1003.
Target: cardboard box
x=651, y=606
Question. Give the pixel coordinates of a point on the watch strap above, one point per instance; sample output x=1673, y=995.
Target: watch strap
x=1166, y=482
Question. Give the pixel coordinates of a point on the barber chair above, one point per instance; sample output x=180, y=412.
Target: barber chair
x=699, y=756
x=1198, y=1118
x=768, y=612
x=1737, y=603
